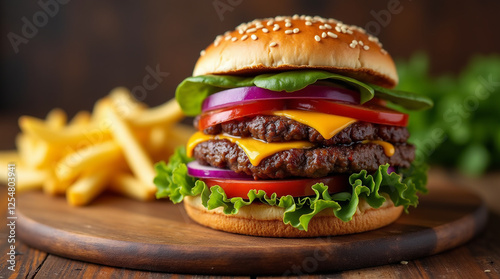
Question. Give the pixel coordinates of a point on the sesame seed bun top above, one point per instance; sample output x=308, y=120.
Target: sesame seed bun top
x=299, y=42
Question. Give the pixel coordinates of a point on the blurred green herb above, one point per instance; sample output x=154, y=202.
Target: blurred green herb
x=463, y=128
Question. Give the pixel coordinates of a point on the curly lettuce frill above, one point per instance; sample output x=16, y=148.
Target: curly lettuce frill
x=173, y=182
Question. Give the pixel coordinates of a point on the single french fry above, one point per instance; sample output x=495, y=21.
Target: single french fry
x=9, y=156
x=130, y=186
x=81, y=119
x=35, y=153
x=158, y=137
x=125, y=105
x=29, y=179
x=68, y=135
x=6, y=158
x=138, y=160
x=88, y=187
x=54, y=186
x=167, y=113
x=75, y=163
x=56, y=118
x=28, y=151
x=99, y=110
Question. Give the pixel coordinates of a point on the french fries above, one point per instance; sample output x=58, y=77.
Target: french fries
x=87, y=188
x=91, y=156
x=130, y=186
x=113, y=147
x=139, y=161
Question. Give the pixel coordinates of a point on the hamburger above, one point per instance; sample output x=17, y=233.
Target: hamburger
x=297, y=133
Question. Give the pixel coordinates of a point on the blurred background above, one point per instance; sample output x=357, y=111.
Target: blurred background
x=67, y=54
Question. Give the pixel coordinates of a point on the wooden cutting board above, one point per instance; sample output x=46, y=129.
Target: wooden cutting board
x=159, y=236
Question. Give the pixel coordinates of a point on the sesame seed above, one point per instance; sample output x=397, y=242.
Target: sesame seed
x=288, y=32
x=404, y=262
x=323, y=35
x=333, y=35
x=327, y=26
x=254, y=37
x=309, y=18
x=360, y=30
x=487, y=270
x=383, y=51
x=269, y=23
x=241, y=31
x=366, y=47
x=227, y=38
x=244, y=37
x=349, y=31
x=360, y=43
x=216, y=43
x=234, y=39
x=251, y=30
x=273, y=44
x=202, y=52
x=295, y=16
x=276, y=27
x=354, y=42
x=318, y=18
x=322, y=27
x=337, y=28
x=288, y=24
x=308, y=23
x=265, y=30
x=317, y=38
x=296, y=30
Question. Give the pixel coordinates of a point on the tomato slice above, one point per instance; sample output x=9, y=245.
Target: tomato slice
x=294, y=187
x=222, y=115
x=371, y=111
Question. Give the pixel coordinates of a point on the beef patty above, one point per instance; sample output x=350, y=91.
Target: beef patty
x=279, y=129
x=314, y=162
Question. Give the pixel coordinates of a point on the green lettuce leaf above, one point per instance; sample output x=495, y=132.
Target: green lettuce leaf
x=173, y=182
x=193, y=90
x=408, y=100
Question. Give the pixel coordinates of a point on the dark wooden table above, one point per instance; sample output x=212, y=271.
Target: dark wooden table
x=480, y=258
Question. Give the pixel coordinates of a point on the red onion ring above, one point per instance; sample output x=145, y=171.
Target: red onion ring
x=241, y=95
x=197, y=170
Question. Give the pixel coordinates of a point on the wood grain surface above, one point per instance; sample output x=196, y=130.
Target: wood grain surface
x=479, y=258
x=159, y=236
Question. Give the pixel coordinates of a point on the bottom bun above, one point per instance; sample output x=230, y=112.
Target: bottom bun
x=264, y=220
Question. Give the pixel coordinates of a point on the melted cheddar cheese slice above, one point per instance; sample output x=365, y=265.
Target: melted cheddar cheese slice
x=256, y=150
x=389, y=149
x=328, y=125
